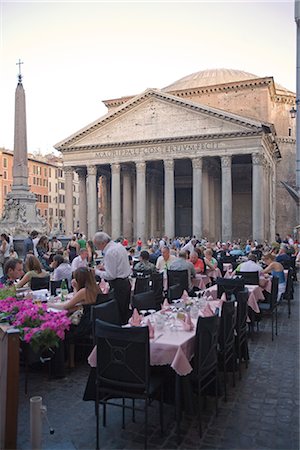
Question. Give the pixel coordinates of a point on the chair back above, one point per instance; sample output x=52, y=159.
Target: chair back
x=178, y=277
x=175, y=292
x=56, y=285
x=37, y=283
x=206, y=359
x=242, y=311
x=274, y=292
x=228, y=259
x=230, y=286
x=157, y=286
x=142, y=284
x=103, y=298
x=124, y=356
x=144, y=300
x=249, y=277
x=107, y=312
x=227, y=325
x=288, y=294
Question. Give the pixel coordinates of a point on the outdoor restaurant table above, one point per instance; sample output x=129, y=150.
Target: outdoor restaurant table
x=201, y=280
x=255, y=295
x=173, y=348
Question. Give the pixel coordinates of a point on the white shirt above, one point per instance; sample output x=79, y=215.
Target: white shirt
x=249, y=266
x=78, y=262
x=116, y=262
x=189, y=246
x=63, y=271
x=161, y=264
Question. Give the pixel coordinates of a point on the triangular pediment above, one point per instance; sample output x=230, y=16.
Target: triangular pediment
x=156, y=115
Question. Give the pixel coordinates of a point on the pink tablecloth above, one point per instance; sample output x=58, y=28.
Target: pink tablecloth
x=255, y=294
x=216, y=273
x=174, y=348
x=201, y=281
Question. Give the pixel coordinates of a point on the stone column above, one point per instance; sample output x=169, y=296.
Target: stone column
x=197, y=197
x=257, y=197
x=226, y=198
x=69, y=227
x=153, y=200
x=115, y=201
x=141, y=200
x=272, y=201
x=92, y=201
x=82, y=201
x=127, y=204
x=169, y=198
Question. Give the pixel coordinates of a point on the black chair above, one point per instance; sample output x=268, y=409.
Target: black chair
x=124, y=371
x=144, y=300
x=174, y=292
x=241, y=338
x=37, y=283
x=107, y=312
x=230, y=286
x=270, y=305
x=289, y=290
x=205, y=361
x=249, y=277
x=103, y=298
x=226, y=340
x=178, y=277
x=56, y=285
x=157, y=286
x=142, y=284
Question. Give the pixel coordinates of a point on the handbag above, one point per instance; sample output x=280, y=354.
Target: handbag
x=75, y=317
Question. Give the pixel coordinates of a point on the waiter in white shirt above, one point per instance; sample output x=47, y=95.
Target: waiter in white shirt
x=116, y=270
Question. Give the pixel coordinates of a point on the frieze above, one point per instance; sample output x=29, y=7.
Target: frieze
x=171, y=149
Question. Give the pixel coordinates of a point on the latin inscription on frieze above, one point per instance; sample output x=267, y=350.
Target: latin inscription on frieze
x=164, y=150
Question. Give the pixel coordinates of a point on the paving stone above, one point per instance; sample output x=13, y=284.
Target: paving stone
x=262, y=411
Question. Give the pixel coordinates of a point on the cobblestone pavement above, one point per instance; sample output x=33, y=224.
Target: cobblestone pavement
x=262, y=411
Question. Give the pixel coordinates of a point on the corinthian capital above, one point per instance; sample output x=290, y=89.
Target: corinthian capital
x=257, y=159
x=197, y=163
x=115, y=168
x=225, y=161
x=92, y=170
x=68, y=170
x=169, y=164
x=140, y=166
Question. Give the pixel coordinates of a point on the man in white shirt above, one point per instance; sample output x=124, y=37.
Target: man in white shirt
x=163, y=262
x=190, y=246
x=250, y=265
x=116, y=270
x=80, y=260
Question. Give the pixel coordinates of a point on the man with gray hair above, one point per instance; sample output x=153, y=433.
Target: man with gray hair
x=116, y=270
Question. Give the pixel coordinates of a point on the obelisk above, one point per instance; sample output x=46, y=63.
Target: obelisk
x=20, y=216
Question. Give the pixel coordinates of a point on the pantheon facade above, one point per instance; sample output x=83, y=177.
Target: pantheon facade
x=204, y=156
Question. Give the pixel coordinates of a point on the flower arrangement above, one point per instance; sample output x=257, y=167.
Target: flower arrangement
x=38, y=327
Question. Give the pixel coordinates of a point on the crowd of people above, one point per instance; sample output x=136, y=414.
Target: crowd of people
x=43, y=256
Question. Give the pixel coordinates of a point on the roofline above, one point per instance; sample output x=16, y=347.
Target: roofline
x=245, y=121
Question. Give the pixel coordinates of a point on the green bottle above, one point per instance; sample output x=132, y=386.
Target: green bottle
x=64, y=290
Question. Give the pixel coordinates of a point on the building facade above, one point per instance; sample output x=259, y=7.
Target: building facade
x=46, y=181
x=204, y=156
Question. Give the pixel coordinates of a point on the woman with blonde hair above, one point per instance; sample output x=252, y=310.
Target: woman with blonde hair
x=33, y=268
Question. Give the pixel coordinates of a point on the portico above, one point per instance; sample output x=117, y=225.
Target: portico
x=150, y=177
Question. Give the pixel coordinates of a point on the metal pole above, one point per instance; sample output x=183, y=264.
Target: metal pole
x=36, y=423
x=297, y=20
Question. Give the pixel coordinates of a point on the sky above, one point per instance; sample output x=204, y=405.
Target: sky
x=76, y=54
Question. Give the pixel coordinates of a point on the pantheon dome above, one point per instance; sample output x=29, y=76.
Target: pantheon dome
x=213, y=77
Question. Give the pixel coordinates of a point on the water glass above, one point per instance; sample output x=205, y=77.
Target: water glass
x=159, y=322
